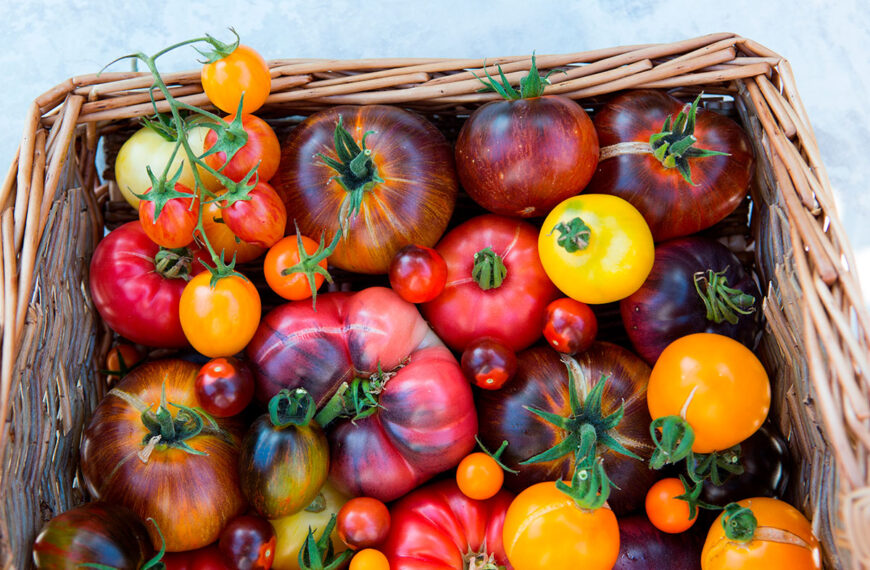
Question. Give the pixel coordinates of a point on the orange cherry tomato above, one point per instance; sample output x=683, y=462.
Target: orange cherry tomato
x=665, y=511
x=363, y=522
x=244, y=71
x=783, y=538
x=219, y=320
x=716, y=384
x=369, y=559
x=121, y=358
x=222, y=238
x=283, y=255
x=479, y=476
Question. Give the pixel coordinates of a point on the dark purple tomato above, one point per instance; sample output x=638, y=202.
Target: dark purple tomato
x=418, y=273
x=224, y=386
x=571, y=326
x=669, y=305
x=489, y=363
x=248, y=543
x=644, y=547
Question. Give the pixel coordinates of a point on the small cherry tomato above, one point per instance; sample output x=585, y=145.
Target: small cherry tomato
x=219, y=320
x=244, y=71
x=262, y=148
x=122, y=358
x=261, y=220
x=479, y=476
x=418, y=274
x=363, y=522
x=224, y=386
x=248, y=542
x=285, y=255
x=369, y=559
x=222, y=238
x=488, y=363
x=571, y=326
x=174, y=227
x=665, y=511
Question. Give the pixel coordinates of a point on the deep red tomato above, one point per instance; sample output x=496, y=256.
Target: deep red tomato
x=496, y=285
x=248, y=542
x=405, y=189
x=242, y=72
x=363, y=522
x=136, y=286
x=173, y=227
x=571, y=326
x=206, y=558
x=261, y=220
x=488, y=363
x=224, y=386
x=671, y=205
x=417, y=273
x=439, y=527
x=262, y=148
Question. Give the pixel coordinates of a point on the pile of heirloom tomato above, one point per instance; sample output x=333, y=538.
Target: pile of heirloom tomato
x=465, y=417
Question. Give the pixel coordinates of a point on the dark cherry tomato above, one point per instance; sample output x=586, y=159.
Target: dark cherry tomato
x=488, y=363
x=418, y=273
x=571, y=326
x=121, y=358
x=363, y=523
x=224, y=386
x=248, y=542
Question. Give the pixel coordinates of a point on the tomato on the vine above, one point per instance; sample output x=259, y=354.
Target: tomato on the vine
x=479, y=476
x=363, y=522
x=259, y=219
x=224, y=386
x=418, y=273
x=305, y=272
x=571, y=326
x=173, y=227
x=369, y=559
x=489, y=363
x=665, y=511
x=241, y=73
x=262, y=150
x=222, y=238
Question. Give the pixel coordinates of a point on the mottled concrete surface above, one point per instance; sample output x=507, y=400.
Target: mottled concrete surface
x=46, y=42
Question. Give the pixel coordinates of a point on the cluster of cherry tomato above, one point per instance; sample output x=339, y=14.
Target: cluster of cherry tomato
x=366, y=401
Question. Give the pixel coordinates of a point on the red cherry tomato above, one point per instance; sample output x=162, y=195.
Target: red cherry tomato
x=488, y=363
x=260, y=220
x=224, y=386
x=571, y=326
x=174, y=227
x=665, y=511
x=243, y=72
x=248, y=542
x=363, y=522
x=418, y=274
x=262, y=148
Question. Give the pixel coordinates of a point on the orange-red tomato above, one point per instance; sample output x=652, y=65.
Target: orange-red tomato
x=283, y=255
x=369, y=559
x=479, y=476
x=121, y=358
x=260, y=219
x=242, y=72
x=261, y=149
x=222, y=238
x=363, y=522
x=174, y=227
x=665, y=511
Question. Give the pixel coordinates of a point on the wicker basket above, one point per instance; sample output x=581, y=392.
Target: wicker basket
x=816, y=339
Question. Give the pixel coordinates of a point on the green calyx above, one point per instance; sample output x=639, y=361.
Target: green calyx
x=723, y=303
x=531, y=86
x=288, y=408
x=356, y=400
x=309, y=263
x=673, y=146
x=739, y=523
x=163, y=189
x=219, y=49
x=173, y=263
x=692, y=496
x=319, y=554
x=168, y=431
x=489, y=270
x=223, y=269
x=231, y=137
x=673, y=438
x=573, y=236
x=355, y=167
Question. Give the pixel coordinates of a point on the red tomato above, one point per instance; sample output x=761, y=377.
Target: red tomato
x=243, y=72
x=489, y=363
x=248, y=542
x=665, y=511
x=511, y=310
x=261, y=220
x=223, y=240
x=174, y=226
x=205, y=558
x=262, y=148
x=363, y=522
x=136, y=286
x=571, y=326
x=224, y=386
x=417, y=273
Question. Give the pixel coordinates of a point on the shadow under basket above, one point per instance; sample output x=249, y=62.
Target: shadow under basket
x=54, y=208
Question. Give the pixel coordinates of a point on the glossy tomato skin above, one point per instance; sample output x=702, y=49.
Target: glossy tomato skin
x=664, y=510
x=436, y=526
x=174, y=226
x=489, y=363
x=132, y=298
x=514, y=312
x=426, y=422
x=261, y=149
x=224, y=386
x=418, y=274
x=260, y=221
x=97, y=533
x=190, y=514
x=222, y=238
x=671, y=206
x=522, y=157
x=542, y=382
x=412, y=205
x=363, y=522
x=643, y=547
x=205, y=558
x=571, y=326
x=284, y=255
x=243, y=72
x=479, y=476
x=667, y=306
x=248, y=542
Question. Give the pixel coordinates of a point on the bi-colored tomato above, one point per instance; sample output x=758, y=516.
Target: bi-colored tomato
x=417, y=273
x=479, y=476
x=261, y=149
x=224, y=386
x=571, y=326
x=596, y=248
x=363, y=522
x=173, y=227
x=222, y=238
x=665, y=511
x=242, y=73
x=285, y=255
x=489, y=363
x=260, y=220
x=248, y=542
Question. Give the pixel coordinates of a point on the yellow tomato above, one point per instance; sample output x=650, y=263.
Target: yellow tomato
x=783, y=539
x=716, y=384
x=596, y=248
x=147, y=148
x=544, y=529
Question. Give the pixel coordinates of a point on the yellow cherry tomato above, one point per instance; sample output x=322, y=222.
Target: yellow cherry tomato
x=596, y=248
x=369, y=559
x=479, y=476
x=716, y=384
x=244, y=71
x=544, y=529
x=782, y=539
x=219, y=320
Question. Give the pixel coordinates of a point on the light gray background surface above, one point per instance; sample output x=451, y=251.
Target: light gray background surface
x=826, y=41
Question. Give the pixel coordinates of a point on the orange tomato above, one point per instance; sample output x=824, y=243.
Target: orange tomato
x=479, y=476
x=283, y=255
x=544, y=529
x=369, y=559
x=665, y=511
x=783, y=539
x=222, y=238
x=121, y=358
x=244, y=71
x=219, y=320
x=716, y=384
